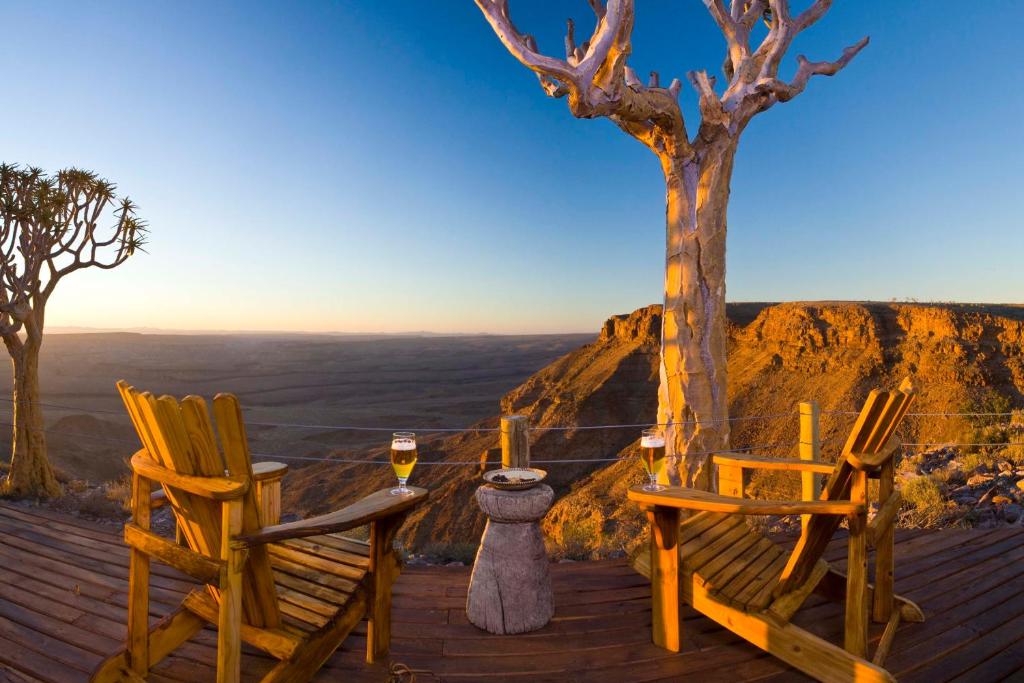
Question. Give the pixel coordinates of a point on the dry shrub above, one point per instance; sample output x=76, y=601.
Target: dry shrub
x=360, y=533
x=76, y=486
x=926, y=498
x=451, y=552
x=773, y=485
x=60, y=475
x=581, y=540
x=119, y=492
x=95, y=503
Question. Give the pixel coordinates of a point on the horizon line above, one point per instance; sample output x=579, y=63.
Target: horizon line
x=144, y=329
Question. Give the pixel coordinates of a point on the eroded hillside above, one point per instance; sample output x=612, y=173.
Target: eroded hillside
x=833, y=353
x=779, y=355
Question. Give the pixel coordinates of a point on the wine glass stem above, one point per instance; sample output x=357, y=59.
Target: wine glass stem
x=654, y=480
x=401, y=484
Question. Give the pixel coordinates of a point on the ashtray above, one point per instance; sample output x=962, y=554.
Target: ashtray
x=515, y=478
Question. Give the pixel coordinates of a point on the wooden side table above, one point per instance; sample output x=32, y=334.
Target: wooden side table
x=510, y=590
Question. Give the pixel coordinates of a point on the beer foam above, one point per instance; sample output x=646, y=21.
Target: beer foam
x=403, y=444
x=652, y=442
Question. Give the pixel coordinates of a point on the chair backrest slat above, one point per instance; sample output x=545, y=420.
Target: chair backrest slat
x=238, y=460
x=142, y=409
x=205, y=513
x=866, y=421
x=180, y=437
x=875, y=425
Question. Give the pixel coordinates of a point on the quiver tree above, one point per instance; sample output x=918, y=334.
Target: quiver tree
x=52, y=226
x=597, y=81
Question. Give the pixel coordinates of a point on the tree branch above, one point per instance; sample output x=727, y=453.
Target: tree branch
x=595, y=75
x=50, y=228
x=712, y=114
x=812, y=14
x=783, y=92
x=599, y=82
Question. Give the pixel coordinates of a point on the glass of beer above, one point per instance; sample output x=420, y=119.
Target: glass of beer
x=403, y=459
x=652, y=456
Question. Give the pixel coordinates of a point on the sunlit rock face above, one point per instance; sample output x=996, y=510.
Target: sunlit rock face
x=779, y=355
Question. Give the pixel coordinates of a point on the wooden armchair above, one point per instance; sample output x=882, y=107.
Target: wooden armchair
x=292, y=590
x=752, y=586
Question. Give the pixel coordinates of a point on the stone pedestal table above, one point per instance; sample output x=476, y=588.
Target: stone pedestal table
x=510, y=590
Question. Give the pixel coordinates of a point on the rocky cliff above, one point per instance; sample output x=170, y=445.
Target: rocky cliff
x=833, y=353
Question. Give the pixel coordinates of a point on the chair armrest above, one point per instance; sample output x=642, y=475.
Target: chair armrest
x=872, y=461
x=268, y=471
x=217, y=488
x=765, y=463
x=376, y=506
x=694, y=499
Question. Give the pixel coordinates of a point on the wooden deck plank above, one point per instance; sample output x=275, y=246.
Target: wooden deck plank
x=31, y=663
x=62, y=605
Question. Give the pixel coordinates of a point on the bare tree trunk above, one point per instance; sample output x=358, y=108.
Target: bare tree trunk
x=31, y=473
x=692, y=395
x=597, y=81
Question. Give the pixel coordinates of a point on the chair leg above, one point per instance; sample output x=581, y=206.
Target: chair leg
x=856, y=641
x=885, y=546
x=138, y=584
x=383, y=572
x=229, y=621
x=664, y=549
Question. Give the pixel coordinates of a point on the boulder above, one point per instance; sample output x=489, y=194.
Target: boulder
x=979, y=479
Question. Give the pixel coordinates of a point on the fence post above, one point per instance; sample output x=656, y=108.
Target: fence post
x=810, y=449
x=515, y=441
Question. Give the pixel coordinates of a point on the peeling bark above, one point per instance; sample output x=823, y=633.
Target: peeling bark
x=692, y=395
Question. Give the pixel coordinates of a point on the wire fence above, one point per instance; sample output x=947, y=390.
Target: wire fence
x=563, y=428
x=771, y=447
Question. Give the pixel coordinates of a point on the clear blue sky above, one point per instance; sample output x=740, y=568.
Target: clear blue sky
x=362, y=166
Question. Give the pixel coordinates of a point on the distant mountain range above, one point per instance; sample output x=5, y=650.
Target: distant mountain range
x=57, y=329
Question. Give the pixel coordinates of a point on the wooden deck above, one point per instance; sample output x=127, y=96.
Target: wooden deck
x=63, y=586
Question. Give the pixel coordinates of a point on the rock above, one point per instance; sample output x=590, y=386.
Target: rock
x=1005, y=466
x=1020, y=484
x=1012, y=512
x=967, y=500
x=1001, y=500
x=642, y=325
x=979, y=479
